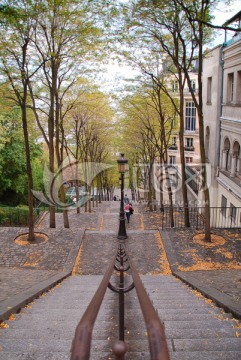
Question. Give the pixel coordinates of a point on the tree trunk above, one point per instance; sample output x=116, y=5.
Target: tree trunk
x=201, y=141
x=59, y=156
x=31, y=235
x=51, y=153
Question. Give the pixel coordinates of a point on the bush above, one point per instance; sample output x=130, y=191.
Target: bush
x=10, y=216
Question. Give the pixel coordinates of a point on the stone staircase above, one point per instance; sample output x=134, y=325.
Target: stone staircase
x=195, y=329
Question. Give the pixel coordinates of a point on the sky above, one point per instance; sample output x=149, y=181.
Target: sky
x=112, y=78
x=222, y=14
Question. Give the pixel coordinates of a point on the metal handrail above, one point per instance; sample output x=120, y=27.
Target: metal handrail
x=82, y=341
x=155, y=329
x=81, y=344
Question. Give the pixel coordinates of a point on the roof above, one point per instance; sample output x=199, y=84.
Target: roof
x=234, y=18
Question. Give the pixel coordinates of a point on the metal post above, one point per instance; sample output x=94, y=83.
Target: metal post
x=121, y=300
x=122, y=226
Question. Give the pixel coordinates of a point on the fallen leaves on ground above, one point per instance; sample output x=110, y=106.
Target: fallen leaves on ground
x=33, y=260
x=3, y=325
x=164, y=263
x=215, y=240
x=22, y=239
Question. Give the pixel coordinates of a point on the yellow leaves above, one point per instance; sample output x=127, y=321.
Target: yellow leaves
x=237, y=334
x=164, y=264
x=215, y=240
x=142, y=222
x=11, y=317
x=33, y=260
x=77, y=261
x=225, y=253
x=200, y=264
x=237, y=324
x=28, y=306
x=208, y=301
x=3, y=325
x=22, y=239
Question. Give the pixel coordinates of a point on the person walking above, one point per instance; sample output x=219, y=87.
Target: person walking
x=127, y=212
x=126, y=199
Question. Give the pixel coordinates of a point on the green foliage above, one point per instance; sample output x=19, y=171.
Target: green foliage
x=13, y=177
x=17, y=216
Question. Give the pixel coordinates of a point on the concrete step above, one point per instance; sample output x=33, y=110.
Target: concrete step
x=206, y=355
x=194, y=329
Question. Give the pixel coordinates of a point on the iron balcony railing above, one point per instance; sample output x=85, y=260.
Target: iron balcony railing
x=81, y=345
x=220, y=217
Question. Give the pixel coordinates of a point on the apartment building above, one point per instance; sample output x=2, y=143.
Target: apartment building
x=222, y=116
x=191, y=142
x=212, y=93
x=191, y=128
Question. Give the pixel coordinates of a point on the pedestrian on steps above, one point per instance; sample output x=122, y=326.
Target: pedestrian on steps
x=126, y=199
x=127, y=212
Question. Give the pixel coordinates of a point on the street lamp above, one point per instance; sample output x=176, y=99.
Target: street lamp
x=122, y=167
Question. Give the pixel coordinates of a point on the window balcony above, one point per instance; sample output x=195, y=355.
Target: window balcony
x=189, y=148
x=172, y=147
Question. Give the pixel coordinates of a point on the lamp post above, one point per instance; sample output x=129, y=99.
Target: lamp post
x=122, y=167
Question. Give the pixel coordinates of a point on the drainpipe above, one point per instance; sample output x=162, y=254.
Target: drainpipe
x=221, y=62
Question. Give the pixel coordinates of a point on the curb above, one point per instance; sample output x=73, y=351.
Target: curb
x=221, y=299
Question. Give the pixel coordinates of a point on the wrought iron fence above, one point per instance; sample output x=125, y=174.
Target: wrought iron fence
x=220, y=217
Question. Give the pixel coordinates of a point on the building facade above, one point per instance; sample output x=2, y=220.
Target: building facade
x=222, y=116
x=191, y=143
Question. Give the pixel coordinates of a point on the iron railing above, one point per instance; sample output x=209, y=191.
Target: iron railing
x=81, y=345
x=220, y=217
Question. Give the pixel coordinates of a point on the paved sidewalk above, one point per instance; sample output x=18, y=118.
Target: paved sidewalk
x=213, y=269
x=27, y=271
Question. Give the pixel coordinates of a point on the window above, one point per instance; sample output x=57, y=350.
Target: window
x=174, y=86
x=233, y=211
x=193, y=85
x=172, y=160
x=230, y=88
x=174, y=140
x=209, y=91
x=239, y=87
x=188, y=160
x=223, y=205
x=189, y=142
x=173, y=179
x=190, y=116
x=173, y=145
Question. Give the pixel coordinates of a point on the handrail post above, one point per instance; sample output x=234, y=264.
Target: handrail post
x=121, y=300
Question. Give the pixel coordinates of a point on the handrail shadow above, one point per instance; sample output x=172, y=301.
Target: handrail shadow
x=81, y=345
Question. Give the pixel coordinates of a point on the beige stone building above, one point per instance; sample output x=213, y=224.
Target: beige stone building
x=222, y=116
x=191, y=143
